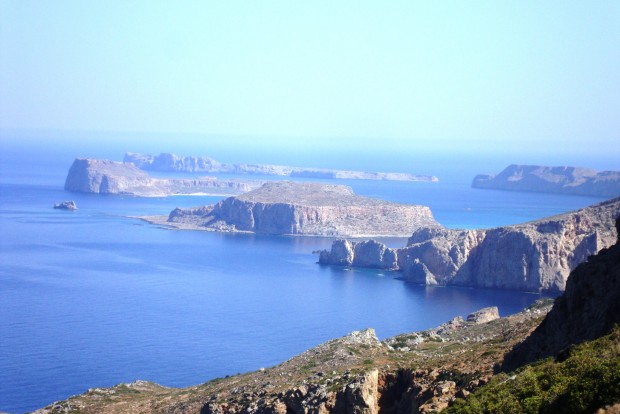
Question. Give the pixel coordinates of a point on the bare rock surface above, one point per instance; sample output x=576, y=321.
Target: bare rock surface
x=294, y=208
x=173, y=163
x=588, y=309
x=89, y=175
x=534, y=256
x=563, y=180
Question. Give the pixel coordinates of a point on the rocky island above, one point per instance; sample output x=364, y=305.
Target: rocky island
x=166, y=162
x=293, y=208
x=535, y=256
x=462, y=366
x=561, y=180
x=88, y=175
x=66, y=205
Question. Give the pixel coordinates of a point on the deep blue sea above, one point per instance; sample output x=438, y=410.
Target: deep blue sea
x=93, y=298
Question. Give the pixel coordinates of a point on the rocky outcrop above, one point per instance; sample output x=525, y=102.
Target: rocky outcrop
x=562, y=180
x=173, y=163
x=66, y=205
x=588, y=309
x=89, y=175
x=484, y=315
x=535, y=256
x=369, y=253
x=308, y=209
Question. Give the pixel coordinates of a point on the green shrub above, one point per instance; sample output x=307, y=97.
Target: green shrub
x=587, y=379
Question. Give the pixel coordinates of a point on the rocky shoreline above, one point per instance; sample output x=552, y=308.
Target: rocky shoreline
x=535, y=256
x=422, y=371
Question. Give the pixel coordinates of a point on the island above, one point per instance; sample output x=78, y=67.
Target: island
x=66, y=205
x=559, y=180
x=89, y=175
x=479, y=364
x=300, y=208
x=537, y=256
x=166, y=162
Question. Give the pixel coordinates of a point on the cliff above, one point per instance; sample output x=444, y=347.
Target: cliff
x=89, y=175
x=304, y=209
x=562, y=180
x=588, y=309
x=535, y=256
x=166, y=162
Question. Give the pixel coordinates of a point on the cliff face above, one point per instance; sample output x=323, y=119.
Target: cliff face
x=306, y=209
x=563, y=180
x=535, y=256
x=588, y=309
x=174, y=163
x=109, y=177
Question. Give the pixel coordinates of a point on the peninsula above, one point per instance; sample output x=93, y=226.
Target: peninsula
x=535, y=256
x=560, y=180
x=166, y=162
x=462, y=366
x=88, y=175
x=295, y=208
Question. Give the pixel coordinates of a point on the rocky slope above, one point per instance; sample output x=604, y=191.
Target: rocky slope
x=89, y=175
x=535, y=256
x=588, y=309
x=417, y=372
x=563, y=180
x=303, y=209
x=173, y=163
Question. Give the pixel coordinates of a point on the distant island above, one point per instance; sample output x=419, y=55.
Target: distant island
x=166, y=162
x=293, y=208
x=534, y=256
x=88, y=175
x=560, y=180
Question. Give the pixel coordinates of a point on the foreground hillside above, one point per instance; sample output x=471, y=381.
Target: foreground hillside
x=357, y=373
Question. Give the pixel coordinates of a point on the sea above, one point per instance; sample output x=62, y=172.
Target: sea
x=97, y=297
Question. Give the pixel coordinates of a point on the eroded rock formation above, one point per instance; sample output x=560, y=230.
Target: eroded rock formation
x=89, y=175
x=563, y=180
x=534, y=256
x=307, y=209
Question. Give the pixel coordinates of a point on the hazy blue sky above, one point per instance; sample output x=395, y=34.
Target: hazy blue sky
x=505, y=74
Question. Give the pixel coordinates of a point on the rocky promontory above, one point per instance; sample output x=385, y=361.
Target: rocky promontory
x=88, y=175
x=166, y=162
x=534, y=256
x=561, y=180
x=293, y=208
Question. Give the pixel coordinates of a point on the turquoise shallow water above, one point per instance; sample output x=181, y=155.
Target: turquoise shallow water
x=92, y=298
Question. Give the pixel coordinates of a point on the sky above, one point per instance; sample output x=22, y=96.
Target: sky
x=521, y=75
